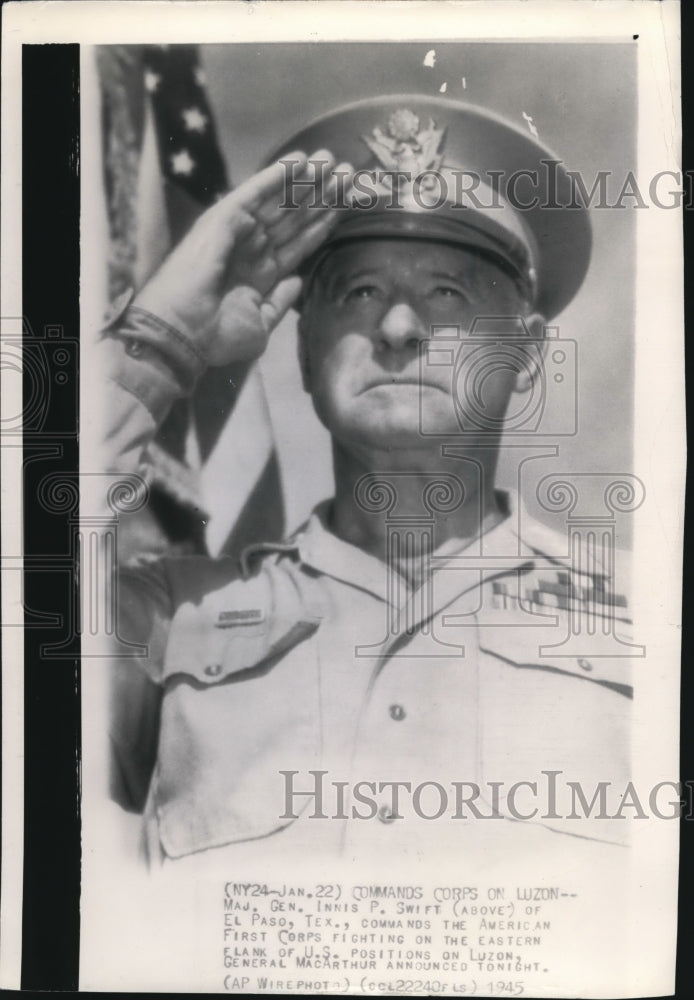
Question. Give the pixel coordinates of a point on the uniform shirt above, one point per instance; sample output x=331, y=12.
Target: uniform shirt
x=294, y=670
x=314, y=669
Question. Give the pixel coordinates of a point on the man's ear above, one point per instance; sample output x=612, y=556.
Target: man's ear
x=302, y=352
x=534, y=365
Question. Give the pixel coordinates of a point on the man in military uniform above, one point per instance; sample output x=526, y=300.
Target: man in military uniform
x=399, y=640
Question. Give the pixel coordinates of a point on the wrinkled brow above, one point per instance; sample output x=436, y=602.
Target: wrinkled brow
x=477, y=275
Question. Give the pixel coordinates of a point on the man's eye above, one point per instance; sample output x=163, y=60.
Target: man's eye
x=362, y=293
x=448, y=292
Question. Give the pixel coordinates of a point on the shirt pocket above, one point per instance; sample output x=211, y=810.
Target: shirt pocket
x=241, y=706
x=554, y=730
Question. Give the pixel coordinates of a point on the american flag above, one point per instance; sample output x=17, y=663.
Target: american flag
x=216, y=484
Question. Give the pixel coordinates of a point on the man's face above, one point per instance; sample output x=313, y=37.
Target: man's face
x=371, y=305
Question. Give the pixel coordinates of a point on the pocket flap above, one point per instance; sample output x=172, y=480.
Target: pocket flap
x=238, y=627
x=601, y=657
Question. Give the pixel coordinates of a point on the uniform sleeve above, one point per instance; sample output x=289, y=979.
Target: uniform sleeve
x=145, y=365
x=144, y=619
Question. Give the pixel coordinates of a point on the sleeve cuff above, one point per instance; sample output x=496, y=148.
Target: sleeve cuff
x=146, y=377
x=148, y=339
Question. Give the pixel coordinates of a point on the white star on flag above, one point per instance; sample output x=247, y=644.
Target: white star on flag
x=182, y=162
x=194, y=119
x=152, y=80
x=200, y=77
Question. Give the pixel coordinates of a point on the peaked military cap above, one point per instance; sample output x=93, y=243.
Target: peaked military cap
x=466, y=176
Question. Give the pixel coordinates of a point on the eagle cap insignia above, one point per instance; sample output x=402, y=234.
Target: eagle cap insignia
x=405, y=146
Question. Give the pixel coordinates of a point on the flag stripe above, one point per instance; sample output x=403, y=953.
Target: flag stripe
x=237, y=462
x=261, y=518
x=153, y=236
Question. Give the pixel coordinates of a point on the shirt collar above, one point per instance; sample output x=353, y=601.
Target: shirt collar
x=323, y=551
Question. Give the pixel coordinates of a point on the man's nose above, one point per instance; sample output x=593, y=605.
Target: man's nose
x=401, y=327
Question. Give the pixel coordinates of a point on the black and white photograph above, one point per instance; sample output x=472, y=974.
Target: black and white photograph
x=376, y=520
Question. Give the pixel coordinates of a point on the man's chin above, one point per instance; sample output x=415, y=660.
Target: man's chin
x=390, y=435
x=392, y=420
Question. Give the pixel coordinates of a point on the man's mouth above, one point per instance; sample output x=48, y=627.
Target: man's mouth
x=395, y=381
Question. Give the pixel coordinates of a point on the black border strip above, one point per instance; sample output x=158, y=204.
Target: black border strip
x=684, y=966
x=50, y=288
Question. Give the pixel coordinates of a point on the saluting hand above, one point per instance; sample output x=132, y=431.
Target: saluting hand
x=230, y=280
